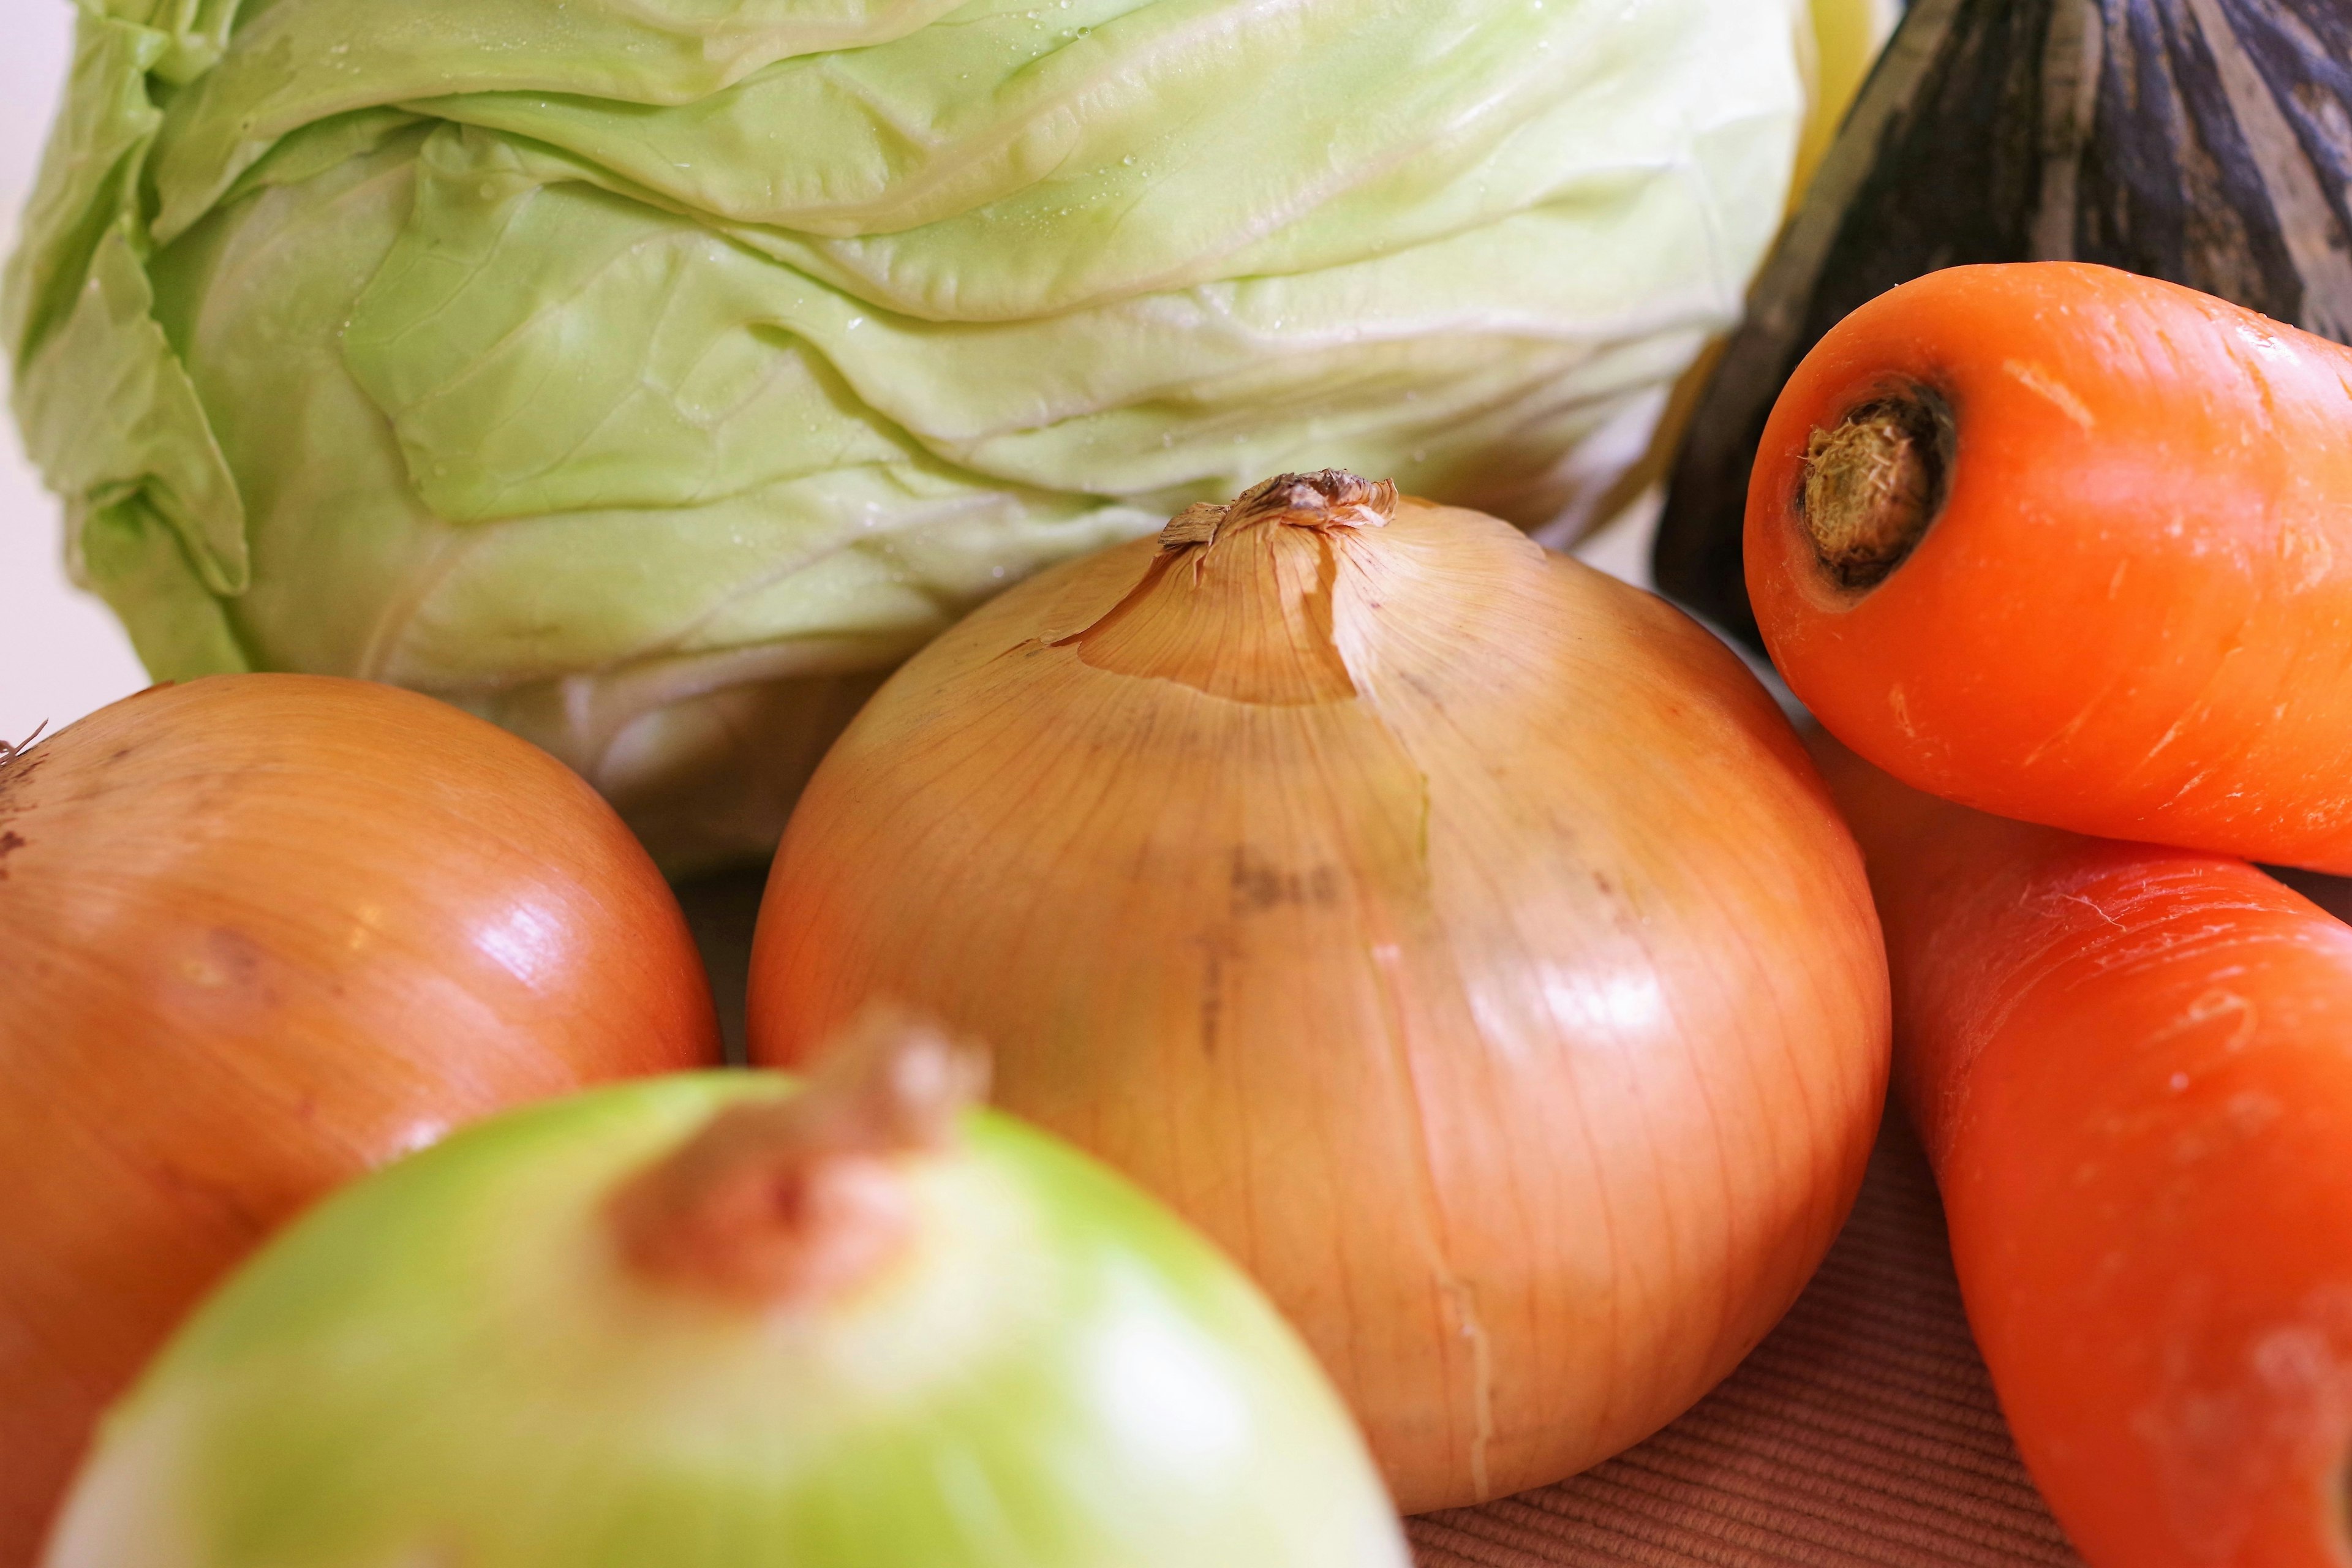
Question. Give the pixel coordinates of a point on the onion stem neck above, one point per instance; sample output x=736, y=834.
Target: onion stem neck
x=1332, y=498
x=1874, y=486
x=797, y=1202
x=1244, y=601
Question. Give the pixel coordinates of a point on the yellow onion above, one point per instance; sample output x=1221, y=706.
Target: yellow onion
x=711, y=1321
x=1458, y=935
x=259, y=934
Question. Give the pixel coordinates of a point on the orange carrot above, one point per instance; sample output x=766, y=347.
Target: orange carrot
x=2132, y=1069
x=2073, y=546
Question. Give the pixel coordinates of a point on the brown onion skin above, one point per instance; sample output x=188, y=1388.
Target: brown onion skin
x=1280, y=951
x=261, y=933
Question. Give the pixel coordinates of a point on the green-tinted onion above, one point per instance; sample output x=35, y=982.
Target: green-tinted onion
x=713, y=1319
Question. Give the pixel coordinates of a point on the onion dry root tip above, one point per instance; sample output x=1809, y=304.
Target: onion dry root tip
x=10, y=752
x=1872, y=487
x=1329, y=498
x=795, y=1203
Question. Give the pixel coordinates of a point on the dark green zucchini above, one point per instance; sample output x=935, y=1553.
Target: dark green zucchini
x=2206, y=142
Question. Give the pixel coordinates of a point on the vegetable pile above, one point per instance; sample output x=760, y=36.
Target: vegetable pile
x=276, y=930
x=1463, y=942
x=646, y=376
x=649, y=378
x=711, y=1322
x=1461, y=937
x=2071, y=544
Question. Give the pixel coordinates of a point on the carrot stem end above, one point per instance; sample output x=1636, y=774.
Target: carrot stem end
x=1874, y=486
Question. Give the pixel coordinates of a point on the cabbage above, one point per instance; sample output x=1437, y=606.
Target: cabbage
x=650, y=375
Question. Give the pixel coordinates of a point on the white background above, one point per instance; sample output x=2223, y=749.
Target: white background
x=61, y=653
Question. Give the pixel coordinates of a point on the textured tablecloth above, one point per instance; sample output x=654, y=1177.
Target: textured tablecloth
x=1861, y=1432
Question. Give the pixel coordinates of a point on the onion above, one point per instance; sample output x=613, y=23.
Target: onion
x=1460, y=937
x=261, y=933
x=706, y=1322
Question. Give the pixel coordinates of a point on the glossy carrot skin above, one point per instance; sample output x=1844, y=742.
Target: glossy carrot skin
x=2132, y=1069
x=2132, y=615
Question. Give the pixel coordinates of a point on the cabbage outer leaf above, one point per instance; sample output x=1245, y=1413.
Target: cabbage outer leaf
x=651, y=375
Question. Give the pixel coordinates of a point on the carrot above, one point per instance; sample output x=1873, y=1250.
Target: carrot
x=2074, y=546
x=2132, y=1069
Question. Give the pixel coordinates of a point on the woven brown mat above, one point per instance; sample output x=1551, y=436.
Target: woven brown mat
x=1862, y=1431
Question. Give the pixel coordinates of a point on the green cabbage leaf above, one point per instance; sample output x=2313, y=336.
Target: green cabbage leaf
x=651, y=376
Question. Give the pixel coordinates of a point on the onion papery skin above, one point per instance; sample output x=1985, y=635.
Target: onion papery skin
x=452, y=1363
x=260, y=934
x=1459, y=937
